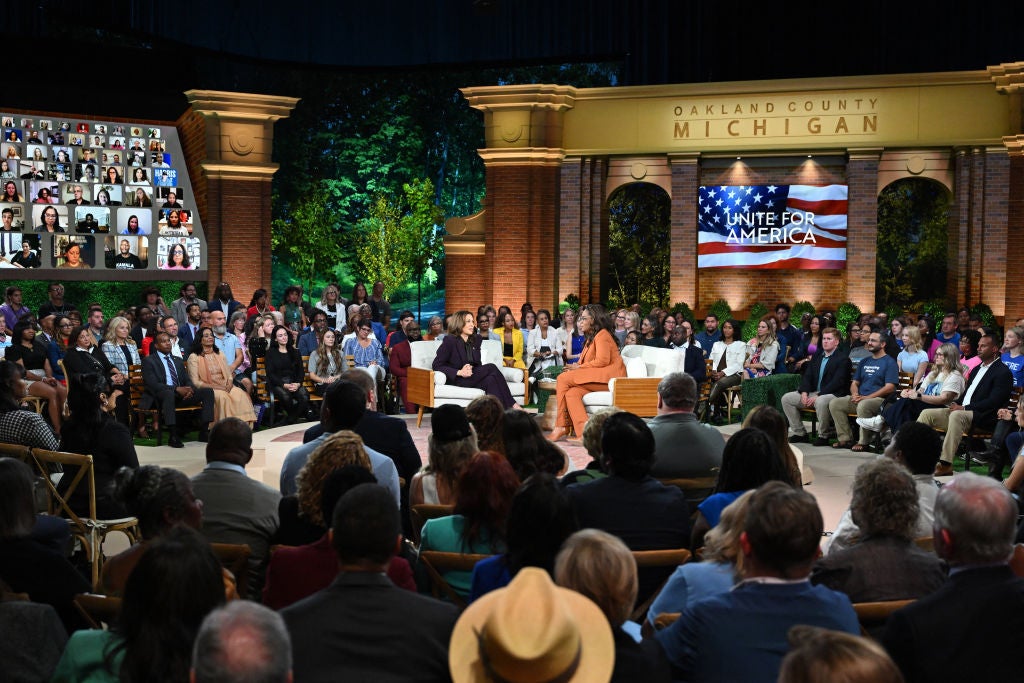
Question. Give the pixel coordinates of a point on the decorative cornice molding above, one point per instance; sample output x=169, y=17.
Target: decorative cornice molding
x=522, y=156
x=1008, y=78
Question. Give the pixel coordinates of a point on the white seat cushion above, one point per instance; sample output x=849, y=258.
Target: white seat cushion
x=635, y=367
x=452, y=391
x=422, y=353
x=598, y=398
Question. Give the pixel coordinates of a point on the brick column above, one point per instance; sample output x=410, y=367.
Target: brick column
x=1014, y=296
x=957, y=266
x=235, y=167
x=862, y=226
x=683, y=232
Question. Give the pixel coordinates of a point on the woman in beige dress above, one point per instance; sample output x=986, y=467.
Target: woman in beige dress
x=208, y=369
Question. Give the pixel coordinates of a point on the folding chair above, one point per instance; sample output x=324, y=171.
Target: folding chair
x=422, y=513
x=88, y=530
x=696, y=489
x=873, y=615
x=650, y=559
x=99, y=611
x=437, y=563
x=235, y=558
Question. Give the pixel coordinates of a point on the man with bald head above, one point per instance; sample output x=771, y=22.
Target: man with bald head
x=971, y=628
x=240, y=643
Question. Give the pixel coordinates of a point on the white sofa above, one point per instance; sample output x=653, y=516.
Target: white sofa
x=429, y=389
x=637, y=392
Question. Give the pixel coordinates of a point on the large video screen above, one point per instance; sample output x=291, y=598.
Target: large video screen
x=779, y=227
x=95, y=195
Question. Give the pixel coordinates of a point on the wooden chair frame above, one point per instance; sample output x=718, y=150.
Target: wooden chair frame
x=696, y=489
x=657, y=558
x=235, y=558
x=420, y=514
x=875, y=614
x=436, y=563
x=89, y=530
x=97, y=609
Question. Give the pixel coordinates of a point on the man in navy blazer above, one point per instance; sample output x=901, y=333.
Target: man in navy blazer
x=383, y=433
x=173, y=389
x=362, y=627
x=818, y=387
x=988, y=389
x=971, y=629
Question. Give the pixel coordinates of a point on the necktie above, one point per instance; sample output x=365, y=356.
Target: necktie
x=170, y=369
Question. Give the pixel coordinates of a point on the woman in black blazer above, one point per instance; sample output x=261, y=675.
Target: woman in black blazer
x=458, y=358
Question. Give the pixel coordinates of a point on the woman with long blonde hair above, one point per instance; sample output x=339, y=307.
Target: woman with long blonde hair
x=912, y=358
x=762, y=350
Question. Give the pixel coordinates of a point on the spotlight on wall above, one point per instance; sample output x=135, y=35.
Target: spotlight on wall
x=810, y=156
x=738, y=158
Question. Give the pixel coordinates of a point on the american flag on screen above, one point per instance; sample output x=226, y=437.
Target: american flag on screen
x=772, y=226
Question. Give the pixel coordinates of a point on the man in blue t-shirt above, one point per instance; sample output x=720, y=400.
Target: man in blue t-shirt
x=876, y=377
x=709, y=335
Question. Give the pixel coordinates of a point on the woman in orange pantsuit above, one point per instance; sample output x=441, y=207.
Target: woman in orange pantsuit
x=599, y=362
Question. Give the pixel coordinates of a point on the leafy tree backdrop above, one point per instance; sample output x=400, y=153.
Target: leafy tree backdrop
x=357, y=138
x=639, y=247
x=912, y=242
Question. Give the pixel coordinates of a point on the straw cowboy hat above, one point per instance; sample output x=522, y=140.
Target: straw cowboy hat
x=532, y=632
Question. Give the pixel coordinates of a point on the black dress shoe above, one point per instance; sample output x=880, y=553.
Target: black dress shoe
x=175, y=441
x=821, y=441
x=204, y=435
x=799, y=438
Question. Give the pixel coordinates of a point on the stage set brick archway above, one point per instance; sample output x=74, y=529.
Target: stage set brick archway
x=555, y=153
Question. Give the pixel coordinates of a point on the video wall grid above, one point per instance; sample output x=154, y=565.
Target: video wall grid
x=95, y=195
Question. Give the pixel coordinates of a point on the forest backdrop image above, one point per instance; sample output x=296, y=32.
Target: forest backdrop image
x=371, y=166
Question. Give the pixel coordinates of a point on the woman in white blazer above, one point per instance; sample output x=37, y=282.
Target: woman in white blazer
x=727, y=358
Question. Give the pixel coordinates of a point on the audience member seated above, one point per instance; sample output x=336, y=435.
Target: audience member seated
x=916, y=447
x=28, y=565
x=741, y=635
x=683, y=447
x=539, y=521
x=809, y=345
x=298, y=571
x=237, y=509
x=477, y=526
x=34, y=637
x=979, y=612
x=487, y=416
x=592, y=443
x=311, y=338
x=987, y=390
x=242, y=642
x=512, y=342
x=285, y=375
x=176, y=583
x=651, y=333
x=208, y=369
x=771, y=422
x=544, y=345
x=728, y=357
x=629, y=502
x=301, y=515
x=969, y=351
x=458, y=359
x=599, y=362
x=343, y=408
x=169, y=384
x=162, y=500
x=362, y=627
x=570, y=338
x=749, y=460
x=884, y=563
x=532, y=631
x=366, y=351
x=912, y=358
x=600, y=566
x=91, y=430
x=925, y=325
x=940, y=387
x=17, y=425
x=450, y=445
x=32, y=355
x=716, y=573
x=693, y=356
x=400, y=360
x=84, y=356
x=826, y=377
x=875, y=378
x=526, y=448
x=818, y=654
x=762, y=351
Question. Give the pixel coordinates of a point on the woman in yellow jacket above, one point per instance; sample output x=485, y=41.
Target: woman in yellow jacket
x=511, y=343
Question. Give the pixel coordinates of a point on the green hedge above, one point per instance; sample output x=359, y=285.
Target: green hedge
x=112, y=296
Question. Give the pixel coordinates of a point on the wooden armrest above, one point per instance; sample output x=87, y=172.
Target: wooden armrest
x=420, y=389
x=637, y=395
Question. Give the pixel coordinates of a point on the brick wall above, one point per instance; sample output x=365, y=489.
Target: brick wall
x=1015, y=226
x=239, y=234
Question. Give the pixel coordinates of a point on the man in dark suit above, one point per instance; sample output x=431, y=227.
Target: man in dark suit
x=363, y=627
x=146, y=322
x=383, y=433
x=187, y=332
x=693, y=357
x=629, y=503
x=826, y=377
x=167, y=381
x=988, y=390
x=971, y=628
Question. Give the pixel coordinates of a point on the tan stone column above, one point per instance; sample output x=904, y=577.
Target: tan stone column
x=229, y=138
x=522, y=235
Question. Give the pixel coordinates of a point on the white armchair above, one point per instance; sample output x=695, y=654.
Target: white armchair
x=637, y=392
x=429, y=389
